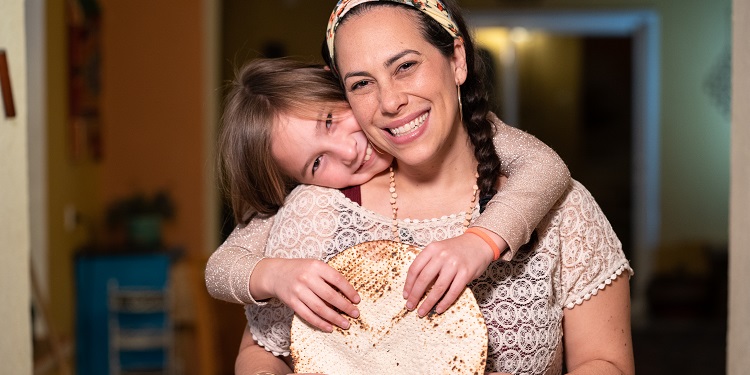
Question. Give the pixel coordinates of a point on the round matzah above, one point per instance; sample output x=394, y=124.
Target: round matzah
x=387, y=338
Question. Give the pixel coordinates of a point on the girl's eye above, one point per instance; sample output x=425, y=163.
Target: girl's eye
x=316, y=165
x=329, y=120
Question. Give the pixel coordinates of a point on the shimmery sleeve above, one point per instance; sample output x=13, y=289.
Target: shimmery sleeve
x=537, y=178
x=229, y=268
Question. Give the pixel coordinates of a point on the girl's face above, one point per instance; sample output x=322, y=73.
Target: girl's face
x=331, y=151
x=402, y=90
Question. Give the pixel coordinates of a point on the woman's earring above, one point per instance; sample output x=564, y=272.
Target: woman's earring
x=460, y=106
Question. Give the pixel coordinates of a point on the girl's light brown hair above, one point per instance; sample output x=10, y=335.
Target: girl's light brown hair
x=262, y=90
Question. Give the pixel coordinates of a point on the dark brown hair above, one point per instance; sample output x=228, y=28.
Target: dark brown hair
x=474, y=95
x=261, y=91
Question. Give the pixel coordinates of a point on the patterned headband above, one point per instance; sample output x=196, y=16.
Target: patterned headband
x=433, y=8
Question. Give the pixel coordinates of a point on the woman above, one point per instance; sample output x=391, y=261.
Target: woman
x=277, y=105
x=402, y=66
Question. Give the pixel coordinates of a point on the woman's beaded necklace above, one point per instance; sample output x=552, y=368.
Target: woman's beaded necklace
x=394, y=207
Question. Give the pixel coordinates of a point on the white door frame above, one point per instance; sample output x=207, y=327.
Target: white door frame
x=36, y=79
x=643, y=27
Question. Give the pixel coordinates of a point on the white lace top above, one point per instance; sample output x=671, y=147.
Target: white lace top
x=537, y=177
x=575, y=254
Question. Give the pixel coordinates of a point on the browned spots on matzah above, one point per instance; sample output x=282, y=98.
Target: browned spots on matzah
x=398, y=317
x=387, y=335
x=372, y=266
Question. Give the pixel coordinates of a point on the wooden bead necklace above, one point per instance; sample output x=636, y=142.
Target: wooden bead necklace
x=394, y=207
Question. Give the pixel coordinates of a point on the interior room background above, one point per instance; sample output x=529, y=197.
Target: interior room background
x=161, y=66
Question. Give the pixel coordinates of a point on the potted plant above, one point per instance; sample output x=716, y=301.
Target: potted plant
x=140, y=217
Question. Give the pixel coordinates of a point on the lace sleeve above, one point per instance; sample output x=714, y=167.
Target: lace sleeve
x=315, y=223
x=229, y=268
x=591, y=254
x=537, y=177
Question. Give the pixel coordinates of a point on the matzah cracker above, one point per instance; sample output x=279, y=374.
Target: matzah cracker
x=387, y=338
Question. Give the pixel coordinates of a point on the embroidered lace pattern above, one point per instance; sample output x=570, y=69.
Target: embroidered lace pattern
x=537, y=177
x=575, y=254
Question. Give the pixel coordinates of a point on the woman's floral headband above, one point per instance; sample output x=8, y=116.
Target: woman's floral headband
x=433, y=8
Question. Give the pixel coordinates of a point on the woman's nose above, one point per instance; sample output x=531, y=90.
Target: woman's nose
x=392, y=99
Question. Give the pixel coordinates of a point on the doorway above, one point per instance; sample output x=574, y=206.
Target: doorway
x=573, y=93
x=607, y=60
x=587, y=84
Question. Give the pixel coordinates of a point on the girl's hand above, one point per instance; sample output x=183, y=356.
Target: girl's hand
x=313, y=289
x=445, y=267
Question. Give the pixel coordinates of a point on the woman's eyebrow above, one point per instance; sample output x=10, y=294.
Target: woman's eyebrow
x=387, y=63
x=355, y=74
x=399, y=55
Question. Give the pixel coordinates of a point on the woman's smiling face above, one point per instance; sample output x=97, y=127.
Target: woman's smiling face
x=330, y=151
x=402, y=90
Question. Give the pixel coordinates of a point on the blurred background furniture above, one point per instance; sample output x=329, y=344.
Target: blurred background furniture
x=123, y=313
x=141, y=336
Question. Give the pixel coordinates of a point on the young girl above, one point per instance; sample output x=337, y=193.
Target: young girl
x=271, y=104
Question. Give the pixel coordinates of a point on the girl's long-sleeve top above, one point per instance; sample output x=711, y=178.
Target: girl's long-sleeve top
x=537, y=177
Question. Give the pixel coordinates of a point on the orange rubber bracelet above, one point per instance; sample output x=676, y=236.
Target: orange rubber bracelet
x=488, y=240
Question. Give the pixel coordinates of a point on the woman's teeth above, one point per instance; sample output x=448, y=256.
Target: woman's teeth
x=407, y=128
x=368, y=153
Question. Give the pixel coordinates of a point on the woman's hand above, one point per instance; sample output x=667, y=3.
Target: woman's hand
x=312, y=288
x=445, y=267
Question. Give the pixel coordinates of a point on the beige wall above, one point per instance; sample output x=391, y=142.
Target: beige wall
x=738, y=352
x=154, y=127
x=15, y=347
x=544, y=57
x=541, y=82
x=298, y=25
x=153, y=109
x=72, y=184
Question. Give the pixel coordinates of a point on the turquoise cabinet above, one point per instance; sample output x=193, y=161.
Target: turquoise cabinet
x=122, y=314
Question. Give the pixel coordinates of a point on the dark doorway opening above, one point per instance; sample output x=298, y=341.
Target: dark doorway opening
x=576, y=96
